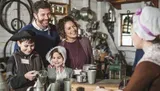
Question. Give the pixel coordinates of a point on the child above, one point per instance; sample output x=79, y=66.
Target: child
x=23, y=65
x=57, y=69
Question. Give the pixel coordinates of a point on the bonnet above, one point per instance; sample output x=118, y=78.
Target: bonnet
x=60, y=49
x=146, y=22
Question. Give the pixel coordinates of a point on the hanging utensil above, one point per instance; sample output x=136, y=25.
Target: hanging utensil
x=87, y=14
x=75, y=14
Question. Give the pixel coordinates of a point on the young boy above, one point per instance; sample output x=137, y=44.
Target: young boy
x=23, y=65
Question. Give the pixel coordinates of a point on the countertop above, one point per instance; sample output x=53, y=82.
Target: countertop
x=108, y=84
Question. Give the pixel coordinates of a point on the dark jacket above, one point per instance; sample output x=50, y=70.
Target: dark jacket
x=16, y=70
x=146, y=77
x=44, y=40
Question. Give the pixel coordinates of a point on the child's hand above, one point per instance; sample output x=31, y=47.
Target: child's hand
x=31, y=75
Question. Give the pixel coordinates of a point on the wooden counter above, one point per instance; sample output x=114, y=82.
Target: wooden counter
x=109, y=84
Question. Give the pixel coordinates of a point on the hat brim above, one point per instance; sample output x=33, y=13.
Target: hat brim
x=23, y=34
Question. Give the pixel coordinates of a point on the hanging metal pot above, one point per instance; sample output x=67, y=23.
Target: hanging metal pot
x=75, y=14
x=87, y=14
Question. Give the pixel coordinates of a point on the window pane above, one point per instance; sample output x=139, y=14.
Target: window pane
x=126, y=40
x=126, y=23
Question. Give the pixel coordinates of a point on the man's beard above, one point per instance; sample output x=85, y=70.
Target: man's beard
x=41, y=22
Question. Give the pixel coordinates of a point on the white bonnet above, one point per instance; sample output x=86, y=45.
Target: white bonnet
x=60, y=49
x=146, y=22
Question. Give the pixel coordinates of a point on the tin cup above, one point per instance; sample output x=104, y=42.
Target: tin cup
x=67, y=84
x=91, y=74
x=79, y=78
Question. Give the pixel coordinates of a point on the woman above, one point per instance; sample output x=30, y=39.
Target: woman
x=146, y=36
x=79, y=48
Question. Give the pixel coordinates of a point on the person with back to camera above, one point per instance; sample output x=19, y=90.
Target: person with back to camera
x=23, y=65
x=57, y=71
x=46, y=34
x=146, y=36
x=79, y=48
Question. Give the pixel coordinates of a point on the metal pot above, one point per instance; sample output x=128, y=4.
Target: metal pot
x=87, y=14
x=75, y=14
x=38, y=86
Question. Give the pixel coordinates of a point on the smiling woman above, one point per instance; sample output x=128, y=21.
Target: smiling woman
x=78, y=48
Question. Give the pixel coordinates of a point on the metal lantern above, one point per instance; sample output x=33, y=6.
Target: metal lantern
x=127, y=23
x=111, y=13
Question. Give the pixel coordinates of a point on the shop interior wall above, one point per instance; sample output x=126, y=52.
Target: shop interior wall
x=100, y=8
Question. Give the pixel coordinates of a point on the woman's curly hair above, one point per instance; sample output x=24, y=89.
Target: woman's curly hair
x=61, y=25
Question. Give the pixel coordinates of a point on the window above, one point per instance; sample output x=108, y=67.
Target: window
x=126, y=24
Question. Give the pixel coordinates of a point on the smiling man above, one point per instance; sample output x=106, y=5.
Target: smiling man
x=46, y=34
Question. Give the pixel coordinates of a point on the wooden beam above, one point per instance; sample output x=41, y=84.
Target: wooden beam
x=100, y=0
x=155, y=2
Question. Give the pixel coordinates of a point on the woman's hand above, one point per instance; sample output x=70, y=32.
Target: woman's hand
x=31, y=75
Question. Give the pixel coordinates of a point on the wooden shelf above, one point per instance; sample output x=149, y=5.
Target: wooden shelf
x=117, y=3
x=125, y=1
x=59, y=8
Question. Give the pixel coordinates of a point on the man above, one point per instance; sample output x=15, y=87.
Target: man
x=46, y=35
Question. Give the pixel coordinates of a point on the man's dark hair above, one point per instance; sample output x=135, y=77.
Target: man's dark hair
x=40, y=5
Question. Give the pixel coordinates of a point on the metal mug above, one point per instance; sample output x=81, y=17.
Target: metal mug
x=79, y=78
x=38, y=86
x=84, y=74
x=54, y=86
x=91, y=75
x=67, y=84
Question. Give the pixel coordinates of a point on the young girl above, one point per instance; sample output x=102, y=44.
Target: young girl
x=57, y=69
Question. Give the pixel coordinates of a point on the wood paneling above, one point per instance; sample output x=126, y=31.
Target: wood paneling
x=117, y=3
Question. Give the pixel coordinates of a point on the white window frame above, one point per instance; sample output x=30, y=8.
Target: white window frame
x=117, y=33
